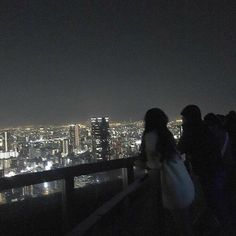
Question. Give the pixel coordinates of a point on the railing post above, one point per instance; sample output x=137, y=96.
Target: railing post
x=67, y=197
x=124, y=177
x=128, y=178
x=128, y=175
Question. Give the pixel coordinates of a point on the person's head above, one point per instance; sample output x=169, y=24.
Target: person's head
x=232, y=115
x=222, y=118
x=213, y=120
x=230, y=119
x=191, y=114
x=155, y=119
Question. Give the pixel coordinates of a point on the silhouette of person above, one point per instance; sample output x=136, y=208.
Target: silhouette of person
x=230, y=125
x=202, y=150
x=214, y=123
x=157, y=145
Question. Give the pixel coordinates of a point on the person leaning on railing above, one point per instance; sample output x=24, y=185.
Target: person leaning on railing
x=160, y=157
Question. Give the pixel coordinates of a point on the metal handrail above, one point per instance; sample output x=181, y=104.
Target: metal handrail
x=66, y=173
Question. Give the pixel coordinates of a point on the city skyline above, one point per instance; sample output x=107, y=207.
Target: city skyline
x=68, y=124
x=66, y=62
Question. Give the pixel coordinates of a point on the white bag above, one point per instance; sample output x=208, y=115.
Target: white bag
x=177, y=187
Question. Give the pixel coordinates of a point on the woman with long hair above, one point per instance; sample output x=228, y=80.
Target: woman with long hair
x=157, y=141
x=159, y=152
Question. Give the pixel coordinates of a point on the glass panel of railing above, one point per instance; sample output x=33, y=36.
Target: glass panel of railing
x=31, y=191
x=97, y=178
x=92, y=191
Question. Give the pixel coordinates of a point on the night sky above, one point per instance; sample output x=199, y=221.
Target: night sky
x=66, y=61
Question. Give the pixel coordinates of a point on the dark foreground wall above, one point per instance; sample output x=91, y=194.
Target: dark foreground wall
x=43, y=215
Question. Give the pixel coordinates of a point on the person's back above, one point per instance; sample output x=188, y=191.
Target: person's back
x=158, y=150
x=199, y=142
x=201, y=148
x=222, y=138
x=231, y=128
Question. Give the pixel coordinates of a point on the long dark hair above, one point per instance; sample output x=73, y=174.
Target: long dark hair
x=212, y=120
x=156, y=120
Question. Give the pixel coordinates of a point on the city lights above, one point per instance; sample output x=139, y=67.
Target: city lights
x=35, y=149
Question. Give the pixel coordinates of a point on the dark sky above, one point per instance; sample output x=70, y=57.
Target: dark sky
x=66, y=61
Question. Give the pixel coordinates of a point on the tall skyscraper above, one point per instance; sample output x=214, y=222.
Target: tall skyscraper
x=77, y=136
x=2, y=148
x=6, y=141
x=100, y=138
x=74, y=132
x=65, y=147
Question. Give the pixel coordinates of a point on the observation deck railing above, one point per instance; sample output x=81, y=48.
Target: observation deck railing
x=67, y=174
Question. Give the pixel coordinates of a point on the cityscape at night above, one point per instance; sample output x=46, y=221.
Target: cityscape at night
x=118, y=117
x=35, y=149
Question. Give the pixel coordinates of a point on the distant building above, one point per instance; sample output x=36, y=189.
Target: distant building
x=4, y=141
x=176, y=128
x=100, y=138
x=5, y=166
x=74, y=135
x=5, y=155
x=65, y=147
x=34, y=152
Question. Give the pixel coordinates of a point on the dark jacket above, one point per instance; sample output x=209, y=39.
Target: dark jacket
x=201, y=149
x=231, y=128
x=221, y=137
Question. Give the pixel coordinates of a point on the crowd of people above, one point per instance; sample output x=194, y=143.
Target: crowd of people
x=209, y=148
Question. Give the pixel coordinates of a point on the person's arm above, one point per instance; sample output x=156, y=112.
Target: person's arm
x=141, y=162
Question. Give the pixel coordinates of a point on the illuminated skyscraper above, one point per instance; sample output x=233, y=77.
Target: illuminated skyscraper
x=77, y=136
x=5, y=142
x=2, y=142
x=100, y=138
x=65, y=147
x=74, y=136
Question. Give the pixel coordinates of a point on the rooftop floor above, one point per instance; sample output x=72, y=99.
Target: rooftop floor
x=142, y=215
